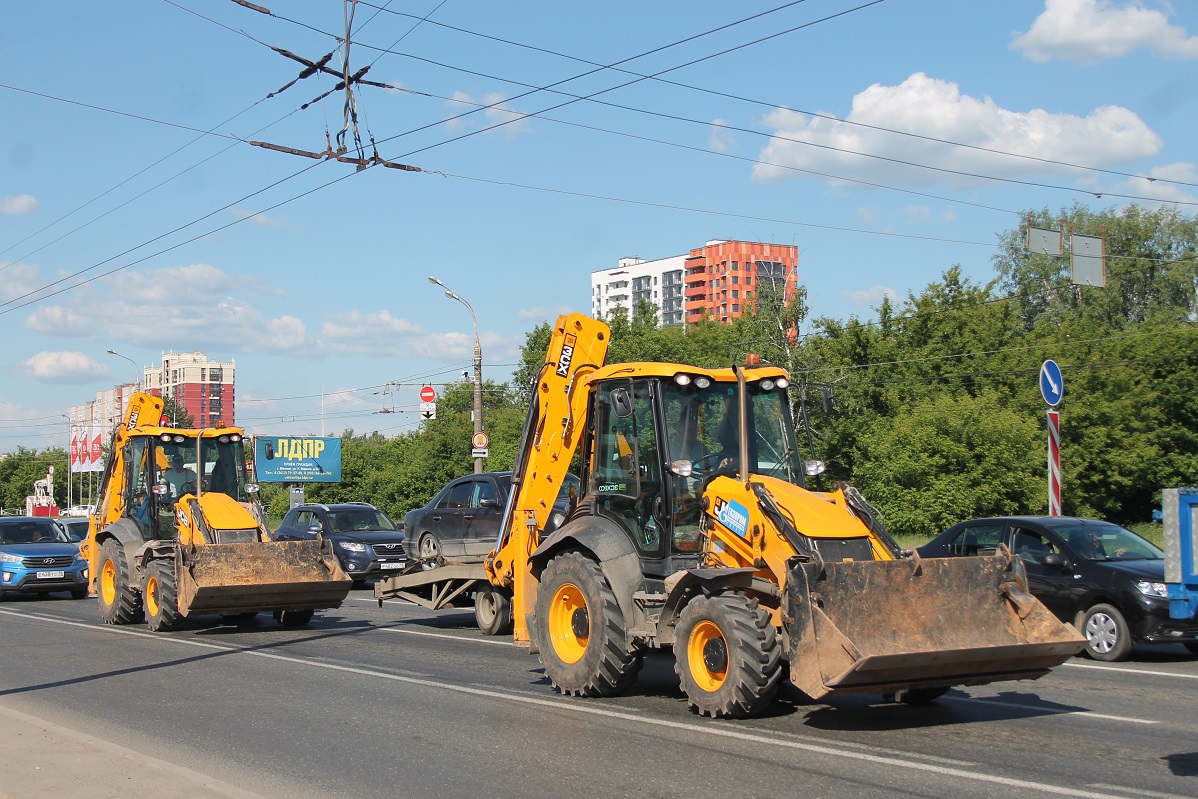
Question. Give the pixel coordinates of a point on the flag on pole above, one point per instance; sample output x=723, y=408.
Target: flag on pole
x=74, y=446
x=97, y=452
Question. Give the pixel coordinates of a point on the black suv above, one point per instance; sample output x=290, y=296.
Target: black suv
x=1104, y=579
x=366, y=541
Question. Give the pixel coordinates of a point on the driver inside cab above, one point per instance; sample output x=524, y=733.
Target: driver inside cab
x=181, y=479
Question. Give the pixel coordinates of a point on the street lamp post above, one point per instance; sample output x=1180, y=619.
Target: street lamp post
x=478, y=366
x=137, y=382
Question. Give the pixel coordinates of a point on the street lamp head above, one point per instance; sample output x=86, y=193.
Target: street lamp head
x=111, y=352
x=434, y=280
x=451, y=295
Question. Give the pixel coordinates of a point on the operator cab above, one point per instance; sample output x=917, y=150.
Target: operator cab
x=165, y=466
x=656, y=441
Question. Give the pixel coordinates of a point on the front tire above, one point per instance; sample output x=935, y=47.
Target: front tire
x=161, y=597
x=1107, y=636
x=293, y=618
x=119, y=603
x=727, y=656
x=493, y=610
x=79, y=594
x=581, y=630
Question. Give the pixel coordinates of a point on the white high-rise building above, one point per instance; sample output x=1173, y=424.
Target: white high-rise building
x=634, y=279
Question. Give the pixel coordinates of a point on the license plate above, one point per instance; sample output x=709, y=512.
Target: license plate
x=51, y=575
x=399, y=564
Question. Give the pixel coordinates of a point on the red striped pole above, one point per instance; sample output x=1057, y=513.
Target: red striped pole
x=1054, y=463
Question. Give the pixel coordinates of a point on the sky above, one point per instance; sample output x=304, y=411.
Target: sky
x=889, y=140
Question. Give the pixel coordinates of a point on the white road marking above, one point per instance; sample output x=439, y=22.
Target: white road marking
x=895, y=760
x=1052, y=711
x=451, y=637
x=1123, y=670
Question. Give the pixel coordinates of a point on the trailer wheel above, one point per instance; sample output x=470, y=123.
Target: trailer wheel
x=1107, y=636
x=162, y=597
x=581, y=629
x=493, y=610
x=119, y=603
x=293, y=618
x=727, y=656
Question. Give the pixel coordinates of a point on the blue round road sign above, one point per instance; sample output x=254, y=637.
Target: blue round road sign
x=1052, y=385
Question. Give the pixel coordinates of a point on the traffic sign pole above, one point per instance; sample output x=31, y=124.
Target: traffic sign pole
x=1054, y=463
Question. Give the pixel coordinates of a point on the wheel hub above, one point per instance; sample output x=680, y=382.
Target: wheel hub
x=715, y=655
x=580, y=623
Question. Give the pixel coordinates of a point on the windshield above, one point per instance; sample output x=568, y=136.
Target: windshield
x=357, y=520
x=1094, y=540
x=703, y=429
x=32, y=532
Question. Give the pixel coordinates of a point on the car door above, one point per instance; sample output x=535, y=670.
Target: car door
x=977, y=538
x=486, y=513
x=1050, y=583
x=448, y=520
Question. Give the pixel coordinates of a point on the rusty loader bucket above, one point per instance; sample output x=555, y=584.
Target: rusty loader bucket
x=259, y=576
x=890, y=626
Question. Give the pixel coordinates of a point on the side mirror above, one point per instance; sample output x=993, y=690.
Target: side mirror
x=1055, y=561
x=488, y=502
x=314, y=528
x=74, y=538
x=251, y=488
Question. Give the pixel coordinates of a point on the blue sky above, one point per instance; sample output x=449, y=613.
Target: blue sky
x=135, y=217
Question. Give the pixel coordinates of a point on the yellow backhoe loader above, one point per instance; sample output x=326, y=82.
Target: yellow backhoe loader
x=178, y=532
x=695, y=532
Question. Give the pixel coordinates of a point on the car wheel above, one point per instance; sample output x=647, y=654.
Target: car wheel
x=1107, y=637
x=493, y=610
x=430, y=551
x=79, y=594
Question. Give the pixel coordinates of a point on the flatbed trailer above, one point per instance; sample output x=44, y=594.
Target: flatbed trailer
x=451, y=585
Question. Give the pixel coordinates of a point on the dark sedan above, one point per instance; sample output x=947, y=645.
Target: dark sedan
x=1105, y=580
x=366, y=541
x=462, y=521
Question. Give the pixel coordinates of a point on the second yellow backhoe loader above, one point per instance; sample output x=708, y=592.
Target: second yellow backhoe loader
x=168, y=541
x=696, y=533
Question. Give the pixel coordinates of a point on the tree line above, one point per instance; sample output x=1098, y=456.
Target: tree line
x=931, y=406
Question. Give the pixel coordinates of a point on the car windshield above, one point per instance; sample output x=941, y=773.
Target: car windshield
x=1093, y=540
x=569, y=482
x=32, y=532
x=358, y=519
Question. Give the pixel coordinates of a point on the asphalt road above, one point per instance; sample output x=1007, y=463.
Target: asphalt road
x=402, y=702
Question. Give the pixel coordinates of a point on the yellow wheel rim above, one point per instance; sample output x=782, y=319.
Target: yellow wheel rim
x=569, y=623
x=152, y=595
x=707, y=656
x=108, y=582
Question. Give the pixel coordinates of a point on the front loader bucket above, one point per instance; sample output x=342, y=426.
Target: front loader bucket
x=259, y=576
x=890, y=626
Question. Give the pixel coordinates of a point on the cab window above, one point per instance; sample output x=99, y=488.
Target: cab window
x=977, y=539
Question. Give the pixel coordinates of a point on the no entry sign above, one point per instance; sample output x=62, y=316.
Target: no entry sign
x=428, y=394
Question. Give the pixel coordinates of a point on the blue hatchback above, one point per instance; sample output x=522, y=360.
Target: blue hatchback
x=38, y=557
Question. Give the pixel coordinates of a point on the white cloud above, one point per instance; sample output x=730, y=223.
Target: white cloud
x=720, y=139
x=917, y=213
x=493, y=111
x=935, y=108
x=18, y=205
x=543, y=313
x=1165, y=192
x=58, y=320
x=1090, y=30
x=261, y=220
x=871, y=296
x=17, y=279
x=63, y=367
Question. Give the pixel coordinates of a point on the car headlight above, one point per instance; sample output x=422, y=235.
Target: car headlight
x=6, y=557
x=1152, y=589
x=352, y=546
x=79, y=558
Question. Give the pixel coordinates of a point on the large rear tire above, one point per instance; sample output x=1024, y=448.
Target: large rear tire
x=727, y=656
x=493, y=610
x=161, y=597
x=119, y=603
x=581, y=630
